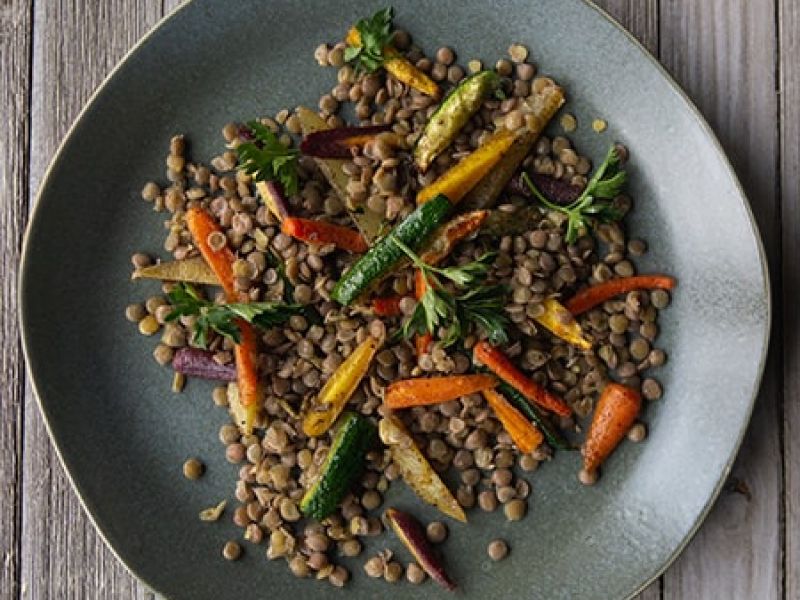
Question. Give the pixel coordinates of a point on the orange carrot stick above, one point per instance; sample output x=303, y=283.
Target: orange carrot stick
x=433, y=390
x=246, y=356
x=590, y=297
x=499, y=363
x=524, y=433
x=202, y=226
x=422, y=340
x=320, y=232
x=218, y=256
x=387, y=306
x=614, y=415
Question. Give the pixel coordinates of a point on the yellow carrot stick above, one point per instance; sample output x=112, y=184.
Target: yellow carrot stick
x=465, y=175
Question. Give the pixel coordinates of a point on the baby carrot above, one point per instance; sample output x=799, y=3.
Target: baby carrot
x=590, y=297
x=422, y=340
x=524, y=433
x=219, y=257
x=614, y=415
x=320, y=232
x=433, y=390
x=500, y=365
x=387, y=306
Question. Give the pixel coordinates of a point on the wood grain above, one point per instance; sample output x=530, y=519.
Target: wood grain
x=789, y=41
x=15, y=30
x=723, y=53
x=76, y=43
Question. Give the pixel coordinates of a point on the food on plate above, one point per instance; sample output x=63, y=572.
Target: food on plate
x=427, y=294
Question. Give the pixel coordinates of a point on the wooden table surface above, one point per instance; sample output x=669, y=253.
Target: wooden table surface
x=740, y=62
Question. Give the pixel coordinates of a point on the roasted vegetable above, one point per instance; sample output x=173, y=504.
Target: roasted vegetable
x=369, y=47
x=202, y=225
x=385, y=255
x=551, y=433
x=497, y=362
x=339, y=387
x=337, y=143
x=355, y=435
x=368, y=222
x=592, y=296
x=434, y=390
x=465, y=174
x=444, y=239
x=614, y=415
x=523, y=433
x=320, y=232
x=542, y=106
x=422, y=340
x=387, y=306
x=200, y=363
x=556, y=190
x=453, y=113
x=415, y=469
x=560, y=322
x=520, y=221
x=188, y=270
x=272, y=195
x=410, y=532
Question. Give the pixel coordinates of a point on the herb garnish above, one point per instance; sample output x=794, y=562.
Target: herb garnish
x=222, y=318
x=376, y=34
x=481, y=306
x=606, y=183
x=267, y=159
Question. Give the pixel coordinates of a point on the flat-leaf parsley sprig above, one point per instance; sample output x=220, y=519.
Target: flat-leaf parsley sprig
x=481, y=307
x=595, y=201
x=221, y=318
x=376, y=34
x=267, y=159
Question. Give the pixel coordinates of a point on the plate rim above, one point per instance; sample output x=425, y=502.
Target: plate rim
x=34, y=216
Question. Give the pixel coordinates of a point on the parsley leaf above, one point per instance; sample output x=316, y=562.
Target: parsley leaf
x=481, y=307
x=376, y=34
x=267, y=159
x=595, y=202
x=221, y=318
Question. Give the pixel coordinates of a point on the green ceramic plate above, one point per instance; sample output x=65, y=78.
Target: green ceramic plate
x=123, y=436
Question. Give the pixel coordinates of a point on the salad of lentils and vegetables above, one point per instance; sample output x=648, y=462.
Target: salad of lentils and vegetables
x=435, y=285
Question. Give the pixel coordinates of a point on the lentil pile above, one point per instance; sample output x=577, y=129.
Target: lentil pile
x=277, y=462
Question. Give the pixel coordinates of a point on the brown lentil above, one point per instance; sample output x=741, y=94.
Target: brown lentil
x=515, y=509
x=497, y=549
x=637, y=433
x=415, y=574
x=231, y=550
x=436, y=532
x=193, y=469
x=651, y=389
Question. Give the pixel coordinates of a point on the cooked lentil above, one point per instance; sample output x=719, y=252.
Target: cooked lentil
x=497, y=549
x=436, y=532
x=231, y=550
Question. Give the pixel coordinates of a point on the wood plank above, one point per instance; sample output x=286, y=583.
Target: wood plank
x=15, y=45
x=76, y=42
x=723, y=53
x=789, y=42
x=640, y=17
